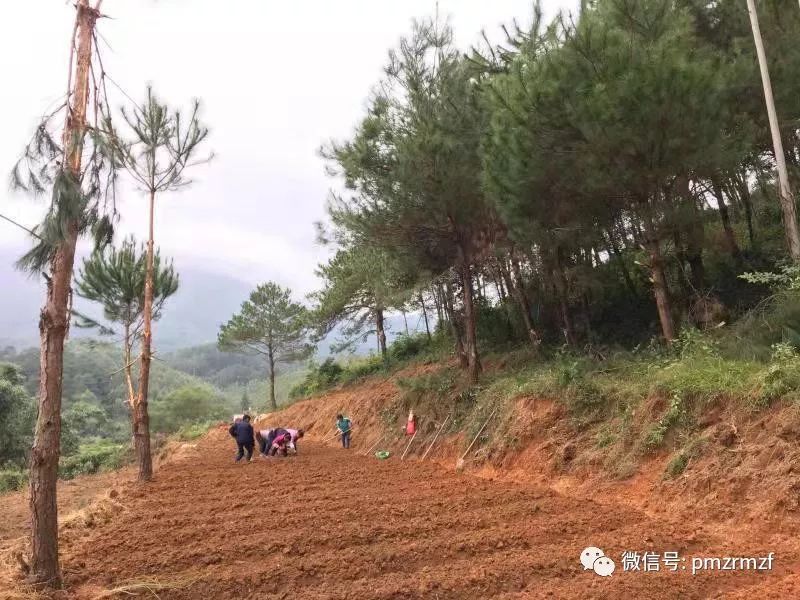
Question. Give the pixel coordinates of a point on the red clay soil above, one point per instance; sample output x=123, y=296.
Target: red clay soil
x=330, y=523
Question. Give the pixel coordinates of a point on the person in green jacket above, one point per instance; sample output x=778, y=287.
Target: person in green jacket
x=344, y=427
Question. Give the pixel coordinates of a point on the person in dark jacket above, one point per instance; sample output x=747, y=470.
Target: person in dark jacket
x=242, y=432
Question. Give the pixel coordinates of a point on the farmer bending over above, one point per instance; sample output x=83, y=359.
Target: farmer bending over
x=280, y=443
x=242, y=431
x=264, y=439
x=343, y=427
x=295, y=434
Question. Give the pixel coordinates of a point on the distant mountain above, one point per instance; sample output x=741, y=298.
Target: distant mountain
x=190, y=318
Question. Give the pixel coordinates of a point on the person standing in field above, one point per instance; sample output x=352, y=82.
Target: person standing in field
x=343, y=428
x=242, y=432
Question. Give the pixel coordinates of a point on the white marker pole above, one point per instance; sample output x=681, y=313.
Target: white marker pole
x=436, y=437
x=409, y=444
x=460, y=462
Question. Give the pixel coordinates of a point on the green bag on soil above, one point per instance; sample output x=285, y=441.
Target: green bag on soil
x=382, y=454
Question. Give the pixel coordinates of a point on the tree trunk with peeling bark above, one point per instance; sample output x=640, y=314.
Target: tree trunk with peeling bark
x=730, y=237
x=141, y=419
x=272, y=401
x=660, y=290
x=424, y=315
x=456, y=326
x=470, y=328
x=53, y=326
x=380, y=332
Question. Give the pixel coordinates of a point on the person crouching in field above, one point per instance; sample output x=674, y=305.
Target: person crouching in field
x=264, y=439
x=343, y=427
x=295, y=434
x=242, y=432
x=280, y=444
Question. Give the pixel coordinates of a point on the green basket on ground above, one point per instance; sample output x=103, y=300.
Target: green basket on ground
x=383, y=454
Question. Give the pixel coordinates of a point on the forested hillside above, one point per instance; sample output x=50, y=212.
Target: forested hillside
x=190, y=389
x=589, y=183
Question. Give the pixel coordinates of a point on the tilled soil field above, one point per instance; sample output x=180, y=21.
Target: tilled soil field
x=330, y=523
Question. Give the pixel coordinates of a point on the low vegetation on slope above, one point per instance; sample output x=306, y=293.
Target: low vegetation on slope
x=622, y=405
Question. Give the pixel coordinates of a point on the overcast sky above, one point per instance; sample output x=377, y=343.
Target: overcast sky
x=276, y=78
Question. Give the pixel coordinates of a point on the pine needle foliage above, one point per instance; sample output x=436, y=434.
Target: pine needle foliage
x=115, y=278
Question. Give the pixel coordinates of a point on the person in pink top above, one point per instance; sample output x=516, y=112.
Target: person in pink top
x=295, y=435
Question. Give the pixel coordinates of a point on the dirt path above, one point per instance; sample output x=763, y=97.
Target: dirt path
x=332, y=524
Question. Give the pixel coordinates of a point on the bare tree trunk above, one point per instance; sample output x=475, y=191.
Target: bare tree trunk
x=626, y=275
x=53, y=326
x=272, y=402
x=660, y=290
x=561, y=285
x=695, y=238
x=425, y=315
x=437, y=301
x=141, y=418
x=456, y=325
x=784, y=190
x=405, y=321
x=380, y=332
x=740, y=182
x=470, y=328
x=730, y=237
x=517, y=290
x=694, y=254
x=128, y=368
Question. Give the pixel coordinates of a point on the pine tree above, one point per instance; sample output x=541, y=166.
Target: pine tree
x=160, y=146
x=115, y=278
x=359, y=285
x=414, y=169
x=272, y=325
x=81, y=184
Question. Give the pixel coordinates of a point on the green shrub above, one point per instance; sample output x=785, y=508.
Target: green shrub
x=405, y=347
x=677, y=465
x=12, y=480
x=192, y=431
x=93, y=457
x=675, y=413
x=498, y=326
x=186, y=405
x=319, y=378
x=362, y=367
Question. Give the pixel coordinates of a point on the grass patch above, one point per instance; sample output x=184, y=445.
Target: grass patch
x=93, y=457
x=192, y=431
x=12, y=480
x=681, y=459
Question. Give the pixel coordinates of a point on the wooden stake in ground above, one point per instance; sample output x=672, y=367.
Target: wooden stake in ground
x=460, y=461
x=371, y=448
x=53, y=324
x=436, y=437
x=409, y=444
x=336, y=433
